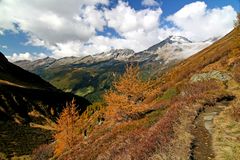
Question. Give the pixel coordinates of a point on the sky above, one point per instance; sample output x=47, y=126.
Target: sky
x=33, y=29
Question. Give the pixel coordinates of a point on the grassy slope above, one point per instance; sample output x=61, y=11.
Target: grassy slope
x=88, y=81
x=226, y=142
x=162, y=138
x=223, y=56
x=217, y=57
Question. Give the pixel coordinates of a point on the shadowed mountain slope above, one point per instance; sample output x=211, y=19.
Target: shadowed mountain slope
x=26, y=101
x=22, y=91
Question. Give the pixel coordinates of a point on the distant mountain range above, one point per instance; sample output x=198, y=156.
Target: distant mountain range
x=172, y=48
x=90, y=75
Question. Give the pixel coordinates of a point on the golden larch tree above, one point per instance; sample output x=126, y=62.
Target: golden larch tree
x=128, y=93
x=67, y=128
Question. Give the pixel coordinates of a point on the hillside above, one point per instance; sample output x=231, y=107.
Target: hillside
x=16, y=75
x=91, y=75
x=26, y=100
x=190, y=112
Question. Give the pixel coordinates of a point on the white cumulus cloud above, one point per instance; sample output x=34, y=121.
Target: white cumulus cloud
x=53, y=21
x=138, y=27
x=25, y=56
x=198, y=22
x=4, y=46
x=150, y=3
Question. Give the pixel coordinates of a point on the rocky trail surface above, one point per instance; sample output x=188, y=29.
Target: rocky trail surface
x=202, y=144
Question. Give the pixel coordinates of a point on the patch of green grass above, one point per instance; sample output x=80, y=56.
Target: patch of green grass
x=153, y=117
x=84, y=91
x=168, y=94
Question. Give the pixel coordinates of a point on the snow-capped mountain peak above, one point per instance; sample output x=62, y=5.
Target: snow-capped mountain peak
x=117, y=54
x=211, y=40
x=178, y=39
x=168, y=41
x=173, y=48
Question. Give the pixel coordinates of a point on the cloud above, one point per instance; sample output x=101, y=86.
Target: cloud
x=150, y=3
x=137, y=30
x=50, y=21
x=4, y=46
x=138, y=27
x=25, y=56
x=72, y=29
x=125, y=19
x=198, y=22
x=51, y=25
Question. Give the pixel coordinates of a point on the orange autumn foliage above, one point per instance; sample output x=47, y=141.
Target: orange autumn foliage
x=128, y=93
x=67, y=128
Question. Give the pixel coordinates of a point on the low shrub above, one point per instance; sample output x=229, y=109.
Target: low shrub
x=3, y=156
x=43, y=152
x=236, y=111
x=236, y=73
x=198, y=90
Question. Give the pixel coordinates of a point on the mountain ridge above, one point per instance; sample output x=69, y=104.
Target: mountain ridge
x=90, y=75
x=114, y=53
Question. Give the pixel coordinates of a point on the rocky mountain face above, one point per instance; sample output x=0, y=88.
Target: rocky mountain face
x=91, y=75
x=172, y=48
x=115, y=54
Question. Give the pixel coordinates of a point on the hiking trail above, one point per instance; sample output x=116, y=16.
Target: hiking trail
x=202, y=144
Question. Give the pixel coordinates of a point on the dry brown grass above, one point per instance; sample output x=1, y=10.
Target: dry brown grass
x=226, y=141
x=236, y=72
x=43, y=152
x=235, y=111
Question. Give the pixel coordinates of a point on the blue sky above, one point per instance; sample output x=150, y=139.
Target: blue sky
x=31, y=29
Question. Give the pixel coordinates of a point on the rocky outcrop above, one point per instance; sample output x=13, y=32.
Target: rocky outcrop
x=217, y=75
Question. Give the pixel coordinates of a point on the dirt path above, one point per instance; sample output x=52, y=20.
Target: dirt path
x=202, y=144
